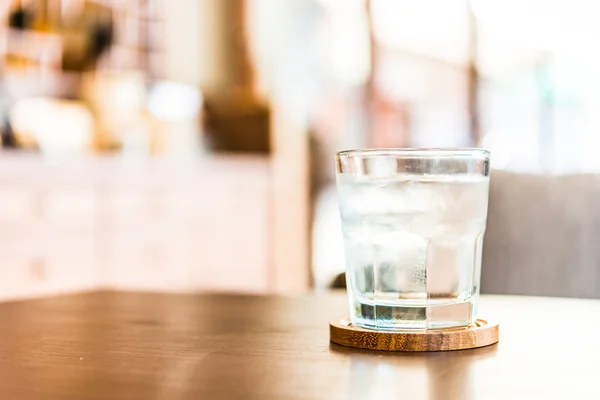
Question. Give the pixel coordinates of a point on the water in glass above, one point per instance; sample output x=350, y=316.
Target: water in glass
x=413, y=248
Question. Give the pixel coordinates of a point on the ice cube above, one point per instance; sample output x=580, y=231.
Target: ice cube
x=400, y=258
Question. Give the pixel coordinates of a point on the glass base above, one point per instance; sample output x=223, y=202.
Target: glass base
x=433, y=314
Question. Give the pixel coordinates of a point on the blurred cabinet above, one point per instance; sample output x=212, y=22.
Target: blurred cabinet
x=46, y=245
x=146, y=226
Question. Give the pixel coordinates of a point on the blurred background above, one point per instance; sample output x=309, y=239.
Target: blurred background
x=187, y=145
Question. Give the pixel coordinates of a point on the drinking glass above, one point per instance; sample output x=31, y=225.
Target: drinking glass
x=413, y=222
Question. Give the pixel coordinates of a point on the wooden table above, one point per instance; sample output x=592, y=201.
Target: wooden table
x=109, y=345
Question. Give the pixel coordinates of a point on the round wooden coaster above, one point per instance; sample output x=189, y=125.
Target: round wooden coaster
x=482, y=333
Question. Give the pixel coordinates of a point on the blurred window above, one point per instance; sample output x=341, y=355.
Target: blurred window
x=540, y=90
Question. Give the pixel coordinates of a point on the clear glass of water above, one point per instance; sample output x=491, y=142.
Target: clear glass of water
x=413, y=223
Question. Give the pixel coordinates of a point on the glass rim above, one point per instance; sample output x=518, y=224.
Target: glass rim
x=418, y=152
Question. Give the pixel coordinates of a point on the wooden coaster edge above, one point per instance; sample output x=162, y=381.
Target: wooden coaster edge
x=483, y=333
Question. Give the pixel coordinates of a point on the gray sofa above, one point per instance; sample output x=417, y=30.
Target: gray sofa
x=543, y=235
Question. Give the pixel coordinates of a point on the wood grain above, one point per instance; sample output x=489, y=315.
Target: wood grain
x=129, y=346
x=481, y=334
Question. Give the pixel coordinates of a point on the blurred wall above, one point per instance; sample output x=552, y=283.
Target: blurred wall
x=194, y=42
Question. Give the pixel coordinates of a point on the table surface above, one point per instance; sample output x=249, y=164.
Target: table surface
x=110, y=345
